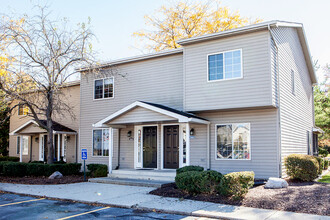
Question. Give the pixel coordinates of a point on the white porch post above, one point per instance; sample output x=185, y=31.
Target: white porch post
x=58, y=147
x=110, y=149
x=63, y=153
x=208, y=147
x=41, y=153
x=188, y=144
x=20, y=148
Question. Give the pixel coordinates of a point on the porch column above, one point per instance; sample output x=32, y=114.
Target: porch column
x=110, y=149
x=20, y=148
x=58, y=147
x=208, y=156
x=188, y=144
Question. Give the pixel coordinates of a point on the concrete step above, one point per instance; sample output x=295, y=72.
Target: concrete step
x=129, y=182
x=142, y=177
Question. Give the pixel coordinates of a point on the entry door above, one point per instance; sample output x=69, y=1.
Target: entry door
x=45, y=147
x=150, y=147
x=171, y=147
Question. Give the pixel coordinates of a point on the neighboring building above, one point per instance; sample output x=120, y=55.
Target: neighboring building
x=231, y=101
x=29, y=142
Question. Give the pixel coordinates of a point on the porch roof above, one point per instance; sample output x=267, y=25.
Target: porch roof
x=161, y=110
x=32, y=127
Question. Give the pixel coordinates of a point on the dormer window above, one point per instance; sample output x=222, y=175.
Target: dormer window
x=103, y=88
x=225, y=65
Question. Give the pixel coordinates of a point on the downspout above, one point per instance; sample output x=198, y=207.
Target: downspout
x=208, y=147
x=118, y=164
x=279, y=106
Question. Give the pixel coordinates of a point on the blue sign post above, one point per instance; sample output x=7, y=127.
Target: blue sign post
x=84, y=158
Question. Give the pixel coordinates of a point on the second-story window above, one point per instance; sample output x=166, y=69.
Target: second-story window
x=226, y=65
x=23, y=109
x=103, y=88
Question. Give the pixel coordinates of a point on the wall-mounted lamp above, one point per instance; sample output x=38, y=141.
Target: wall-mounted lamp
x=192, y=132
x=37, y=139
x=129, y=134
x=67, y=137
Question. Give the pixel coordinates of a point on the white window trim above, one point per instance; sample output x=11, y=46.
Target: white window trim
x=216, y=136
x=110, y=142
x=27, y=142
x=113, y=86
x=224, y=72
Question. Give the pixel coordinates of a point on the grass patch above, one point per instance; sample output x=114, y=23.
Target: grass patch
x=325, y=178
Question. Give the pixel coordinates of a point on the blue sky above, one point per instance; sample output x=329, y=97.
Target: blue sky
x=114, y=21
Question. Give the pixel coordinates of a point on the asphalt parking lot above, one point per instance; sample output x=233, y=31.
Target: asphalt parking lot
x=14, y=206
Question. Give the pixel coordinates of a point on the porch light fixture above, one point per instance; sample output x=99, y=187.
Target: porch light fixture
x=129, y=134
x=37, y=139
x=192, y=132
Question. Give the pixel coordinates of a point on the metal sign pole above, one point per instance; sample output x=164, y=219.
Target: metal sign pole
x=84, y=171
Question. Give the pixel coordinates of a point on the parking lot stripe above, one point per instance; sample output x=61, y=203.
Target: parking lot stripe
x=14, y=203
x=84, y=213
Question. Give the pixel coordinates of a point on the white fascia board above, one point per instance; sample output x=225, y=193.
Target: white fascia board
x=22, y=126
x=179, y=117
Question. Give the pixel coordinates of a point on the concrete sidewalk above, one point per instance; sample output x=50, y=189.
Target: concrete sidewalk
x=137, y=197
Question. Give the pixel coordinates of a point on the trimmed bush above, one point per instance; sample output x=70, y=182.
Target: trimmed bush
x=236, y=184
x=195, y=182
x=14, y=169
x=1, y=165
x=7, y=158
x=302, y=167
x=188, y=181
x=37, y=169
x=326, y=164
x=189, y=168
x=320, y=161
x=97, y=170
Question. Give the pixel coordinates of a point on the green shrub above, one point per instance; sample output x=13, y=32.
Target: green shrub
x=320, y=161
x=7, y=158
x=236, y=184
x=1, y=165
x=302, y=167
x=38, y=169
x=14, y=169
x=189, y=168
x=188, y=181
x=209, y=180
x=326, y=164
x=323, y=152
x=97, y=170
x=195, y=182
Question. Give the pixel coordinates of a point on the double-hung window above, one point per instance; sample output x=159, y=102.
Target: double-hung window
x=226, y=65
x=233, y=141
x=25, y=145
x=103, y=88
x=23, y=109
x=101, y=142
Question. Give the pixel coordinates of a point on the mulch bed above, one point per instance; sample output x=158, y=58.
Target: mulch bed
x=42, y=180
x=311, y=197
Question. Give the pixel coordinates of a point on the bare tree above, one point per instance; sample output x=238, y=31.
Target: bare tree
x=43, y=55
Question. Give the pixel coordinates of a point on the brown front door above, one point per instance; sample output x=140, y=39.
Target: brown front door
x=150, y=147
x=171, y=147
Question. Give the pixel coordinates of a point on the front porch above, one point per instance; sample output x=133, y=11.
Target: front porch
x=31, y=142
x=150, y=141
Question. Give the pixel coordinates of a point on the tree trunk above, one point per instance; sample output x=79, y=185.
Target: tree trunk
x=50, y=142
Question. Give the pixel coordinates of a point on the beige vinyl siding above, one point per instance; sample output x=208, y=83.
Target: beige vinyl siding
x=140, y=114
x=198, y=145
x=253, y=90
x=296, y=109
x=263, y=125
x=157, y=80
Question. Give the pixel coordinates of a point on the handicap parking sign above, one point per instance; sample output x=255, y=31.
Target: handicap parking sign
x=84, y=154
